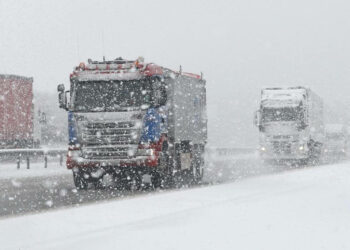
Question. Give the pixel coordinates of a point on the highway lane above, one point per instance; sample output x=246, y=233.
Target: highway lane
x=30, y=195
x=37, y=194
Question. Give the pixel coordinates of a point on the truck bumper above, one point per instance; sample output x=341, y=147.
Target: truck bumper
x=334, y=150
x=141, y=161
x=283, y=157
x=293, y=152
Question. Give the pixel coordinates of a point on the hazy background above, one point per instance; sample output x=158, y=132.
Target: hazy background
x=240, y=46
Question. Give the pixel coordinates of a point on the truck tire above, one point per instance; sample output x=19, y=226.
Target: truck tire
x=163, y=161
x=158, y=180
x=162, y=176
x=121, y=184
x=135, y=183
x=197, y=170
x=98, y=184
x=314, y=153
x=79, y=180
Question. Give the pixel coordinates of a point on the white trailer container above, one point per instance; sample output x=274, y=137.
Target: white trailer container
x=290, y=122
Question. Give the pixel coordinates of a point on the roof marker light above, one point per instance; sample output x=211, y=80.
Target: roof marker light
x=82, y=66
x=139, y=62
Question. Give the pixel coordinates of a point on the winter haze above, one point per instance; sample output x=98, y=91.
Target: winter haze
x=240, y=46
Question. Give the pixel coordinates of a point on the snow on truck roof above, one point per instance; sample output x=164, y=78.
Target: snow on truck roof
x=120, y=69
x=280, y=97
x=283, y=93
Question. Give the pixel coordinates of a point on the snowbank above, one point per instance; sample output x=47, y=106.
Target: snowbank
x=299, y=209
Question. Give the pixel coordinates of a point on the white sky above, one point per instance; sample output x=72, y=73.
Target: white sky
x=240, y=46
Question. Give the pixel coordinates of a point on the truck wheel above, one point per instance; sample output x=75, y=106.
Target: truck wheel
x=135, y=185
x=163, y=161
x=133, y=181
x=98, y=184
x=197, y=164
x=314, y=153
x=162, y=178
x=79, y=180
x=157, y=180
x=120, y=184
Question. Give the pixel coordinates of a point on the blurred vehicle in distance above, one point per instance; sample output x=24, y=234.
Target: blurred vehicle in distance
x=337, y=139
x=17, y=125
x=290, y=122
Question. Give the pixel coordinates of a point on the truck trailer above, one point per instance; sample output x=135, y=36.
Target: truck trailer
x=133, y=122
x=336, y=142
x=290, y=122
x=16, y=112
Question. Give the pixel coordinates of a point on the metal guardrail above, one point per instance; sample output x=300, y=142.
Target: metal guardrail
x=32, y=153
x=229, y=151
x=29, y=154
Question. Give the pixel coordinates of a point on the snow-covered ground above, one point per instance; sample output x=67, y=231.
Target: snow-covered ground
x=9, y=169
x=305, y=208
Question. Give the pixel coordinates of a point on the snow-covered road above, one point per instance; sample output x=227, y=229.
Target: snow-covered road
x=306, y=208
x=38, y=188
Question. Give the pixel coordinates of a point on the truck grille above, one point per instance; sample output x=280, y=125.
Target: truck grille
x=282, y=147
x=112, y=140
x=102, y=153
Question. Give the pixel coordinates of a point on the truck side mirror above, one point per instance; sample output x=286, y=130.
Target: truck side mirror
x=159, y=92
x=257, y=118
x=303, y=125
x=60, y=88
x=163, y=96
x=62, y=100
x=303, y=119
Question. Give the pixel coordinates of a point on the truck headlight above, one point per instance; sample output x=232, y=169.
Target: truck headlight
x=303, y=147
x=263, y=149
x=74, y=153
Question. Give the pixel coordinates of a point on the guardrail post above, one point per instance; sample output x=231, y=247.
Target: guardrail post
x=28, y=162
x=19, y=156
x=18, y=162
x=61, y=160
x=45, y=160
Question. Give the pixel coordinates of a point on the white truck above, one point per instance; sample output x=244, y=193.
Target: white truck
x=336, y=140
x=290, y=122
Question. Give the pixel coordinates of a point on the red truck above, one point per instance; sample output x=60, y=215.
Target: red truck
x=16, y=112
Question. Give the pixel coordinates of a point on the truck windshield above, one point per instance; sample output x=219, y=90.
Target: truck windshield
x=282, y=114
x=335, y=136
x=111, y=95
